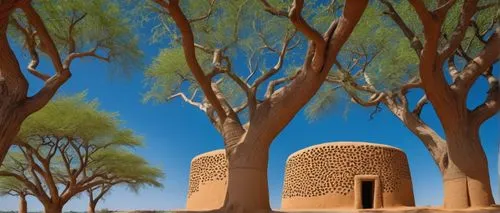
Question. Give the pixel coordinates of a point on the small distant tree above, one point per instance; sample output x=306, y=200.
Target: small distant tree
x=210, y=42
x=70, y=147
x=13, y=187
x=64, y=31
x=128, y=170
x=457, y=47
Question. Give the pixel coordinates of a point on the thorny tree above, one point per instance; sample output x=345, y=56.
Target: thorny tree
x=456, y=49
x=63, y=31
x=13, y=187
x=230, y=32
x=120, y=162
x=69, y=147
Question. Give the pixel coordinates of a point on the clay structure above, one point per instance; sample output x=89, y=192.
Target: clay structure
x=347, y=175
x=207, y=181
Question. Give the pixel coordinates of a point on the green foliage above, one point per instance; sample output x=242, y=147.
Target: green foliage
x=322, y=102
x=74, y=117
x=377, y=39
x=103, y=24
x=81, y=138
x=119, y=163
x=10, y=185
x=242, y=28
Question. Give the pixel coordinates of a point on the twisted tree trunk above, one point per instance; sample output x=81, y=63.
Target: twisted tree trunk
x=13, y=89
x=461, y=159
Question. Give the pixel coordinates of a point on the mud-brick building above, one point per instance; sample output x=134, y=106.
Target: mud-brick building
x=207, y=181
x=347, y=175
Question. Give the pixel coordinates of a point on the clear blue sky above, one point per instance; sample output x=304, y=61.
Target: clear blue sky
x=176, y=132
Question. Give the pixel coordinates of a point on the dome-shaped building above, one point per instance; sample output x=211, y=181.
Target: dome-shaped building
x=347, y=175
x=207, y=181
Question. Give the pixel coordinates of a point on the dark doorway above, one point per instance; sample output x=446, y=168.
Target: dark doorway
x=367, y=194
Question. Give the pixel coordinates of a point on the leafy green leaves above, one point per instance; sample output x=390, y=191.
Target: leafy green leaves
x=80, y=26
x=81, y=145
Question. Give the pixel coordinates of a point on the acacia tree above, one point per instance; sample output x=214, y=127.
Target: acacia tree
x=13, y=187
x=63, y=31
x=69, y=147
x=226, y=31
x=119, y=162
x=385, y=71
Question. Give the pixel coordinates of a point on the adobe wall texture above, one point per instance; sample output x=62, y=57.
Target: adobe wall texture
x=207, y=181
x=329, y=175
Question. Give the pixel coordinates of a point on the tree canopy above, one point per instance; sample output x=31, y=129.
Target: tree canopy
x=70, y=146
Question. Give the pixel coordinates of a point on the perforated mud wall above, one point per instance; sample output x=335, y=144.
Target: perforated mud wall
x=323, y=176
x=207, y=181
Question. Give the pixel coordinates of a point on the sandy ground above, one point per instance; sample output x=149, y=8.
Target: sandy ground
x=495, y=209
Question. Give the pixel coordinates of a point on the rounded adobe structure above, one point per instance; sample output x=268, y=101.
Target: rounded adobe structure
x=207, y=181
x=347, y=175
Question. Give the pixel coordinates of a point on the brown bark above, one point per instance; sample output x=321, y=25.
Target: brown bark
x=466, y=179
x=91, y=207
x=13, y=88
x=434, y=143
x=52, y=208
x=247, y=176
x=23, y=205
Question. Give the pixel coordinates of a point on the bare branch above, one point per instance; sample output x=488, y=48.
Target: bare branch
x=452, y=69
x=420, y=106
x=278, y=64
x=203, y=17
x=468, y=10
x=71, y=40
x=272, y=10
x=416, y=44
x=189, y=101
x=273, y=84
x=37, y=101
x=489, y=55
x=190, y=53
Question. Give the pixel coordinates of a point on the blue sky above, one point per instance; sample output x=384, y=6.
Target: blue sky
x=176, y=132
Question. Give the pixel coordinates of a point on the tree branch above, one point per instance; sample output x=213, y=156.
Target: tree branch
x=420, y=106
x=489, y=55
x=188, y=100
x=190, y=53
x=468, y=10
x=416, y=44
x=272, y=10
x=37, y=101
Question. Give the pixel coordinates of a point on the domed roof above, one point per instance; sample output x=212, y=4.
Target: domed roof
x=343, y=143
x=211, y=153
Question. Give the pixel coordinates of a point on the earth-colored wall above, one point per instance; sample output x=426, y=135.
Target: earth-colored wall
x=329, y=175
x=207, y=181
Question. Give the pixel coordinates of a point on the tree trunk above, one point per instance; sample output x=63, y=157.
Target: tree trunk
x=53, y=209
x=247, y=157
x=466, y=179
x=247, y=189
x=13, y=89
x=91, y=208
x=23, y=205
x=9, y=127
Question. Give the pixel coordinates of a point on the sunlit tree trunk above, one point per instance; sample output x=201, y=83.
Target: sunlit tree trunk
x=247, y=155
x=466, y=177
